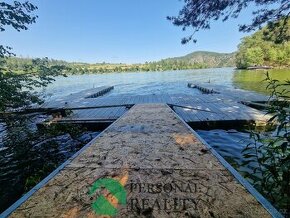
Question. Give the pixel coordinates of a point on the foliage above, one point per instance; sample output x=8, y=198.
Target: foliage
x=272, y=152
x=16, y=15
x=207, y=59
x=198, y=14
x=278, y=32
x=17, y=89
x=256, y=50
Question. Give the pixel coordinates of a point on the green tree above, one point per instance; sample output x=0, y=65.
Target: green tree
x=256, y=50
x=271, y=152
x=254, y=56
x=17, y=89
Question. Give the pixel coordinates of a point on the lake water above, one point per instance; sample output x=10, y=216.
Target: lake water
x=251, y=80
x=139, y=83
x=171, y=82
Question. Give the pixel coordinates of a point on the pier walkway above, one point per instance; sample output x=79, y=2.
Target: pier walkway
x=165, y=170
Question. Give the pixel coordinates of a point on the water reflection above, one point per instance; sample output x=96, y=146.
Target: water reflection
x=230, y=145
x=252, y=79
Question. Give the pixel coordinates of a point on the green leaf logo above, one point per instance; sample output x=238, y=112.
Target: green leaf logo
x=102, y=206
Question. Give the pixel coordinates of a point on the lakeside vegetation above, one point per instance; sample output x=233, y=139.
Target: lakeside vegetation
x=260, y=49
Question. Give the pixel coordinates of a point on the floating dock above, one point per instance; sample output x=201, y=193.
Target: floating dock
x=77, y=98
x=160, y=168
x=195, y=110
x=225, y=92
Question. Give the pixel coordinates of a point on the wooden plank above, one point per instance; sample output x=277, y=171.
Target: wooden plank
x=119, y=112
x=142, y=100
x=181, y=113
x=193, y=114
x=138, y=150
x=131, y=100
x=136, y=99
x=147, y=98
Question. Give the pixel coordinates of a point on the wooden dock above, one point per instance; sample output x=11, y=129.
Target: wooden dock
x=148, y=151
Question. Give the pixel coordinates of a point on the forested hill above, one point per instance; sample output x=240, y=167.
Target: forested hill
x=207, y=59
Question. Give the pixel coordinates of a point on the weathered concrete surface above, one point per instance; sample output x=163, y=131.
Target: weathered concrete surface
x=149, y=151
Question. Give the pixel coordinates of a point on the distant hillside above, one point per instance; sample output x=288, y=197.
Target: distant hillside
x=206, y=59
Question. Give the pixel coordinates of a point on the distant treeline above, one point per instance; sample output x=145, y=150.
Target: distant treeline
x=18, y=64
x=260, y=49
x=151, y=66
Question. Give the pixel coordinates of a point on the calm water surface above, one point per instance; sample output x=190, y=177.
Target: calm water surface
x=139, y=83
x=253, y=80
x=171, y=82
x=230, y=144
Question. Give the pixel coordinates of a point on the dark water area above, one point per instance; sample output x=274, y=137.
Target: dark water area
x=230, y=144
x=28, y=155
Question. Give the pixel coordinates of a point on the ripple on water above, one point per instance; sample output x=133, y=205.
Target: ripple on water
x=230, y=144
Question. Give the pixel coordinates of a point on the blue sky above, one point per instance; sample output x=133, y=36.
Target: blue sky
x=127, y=31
